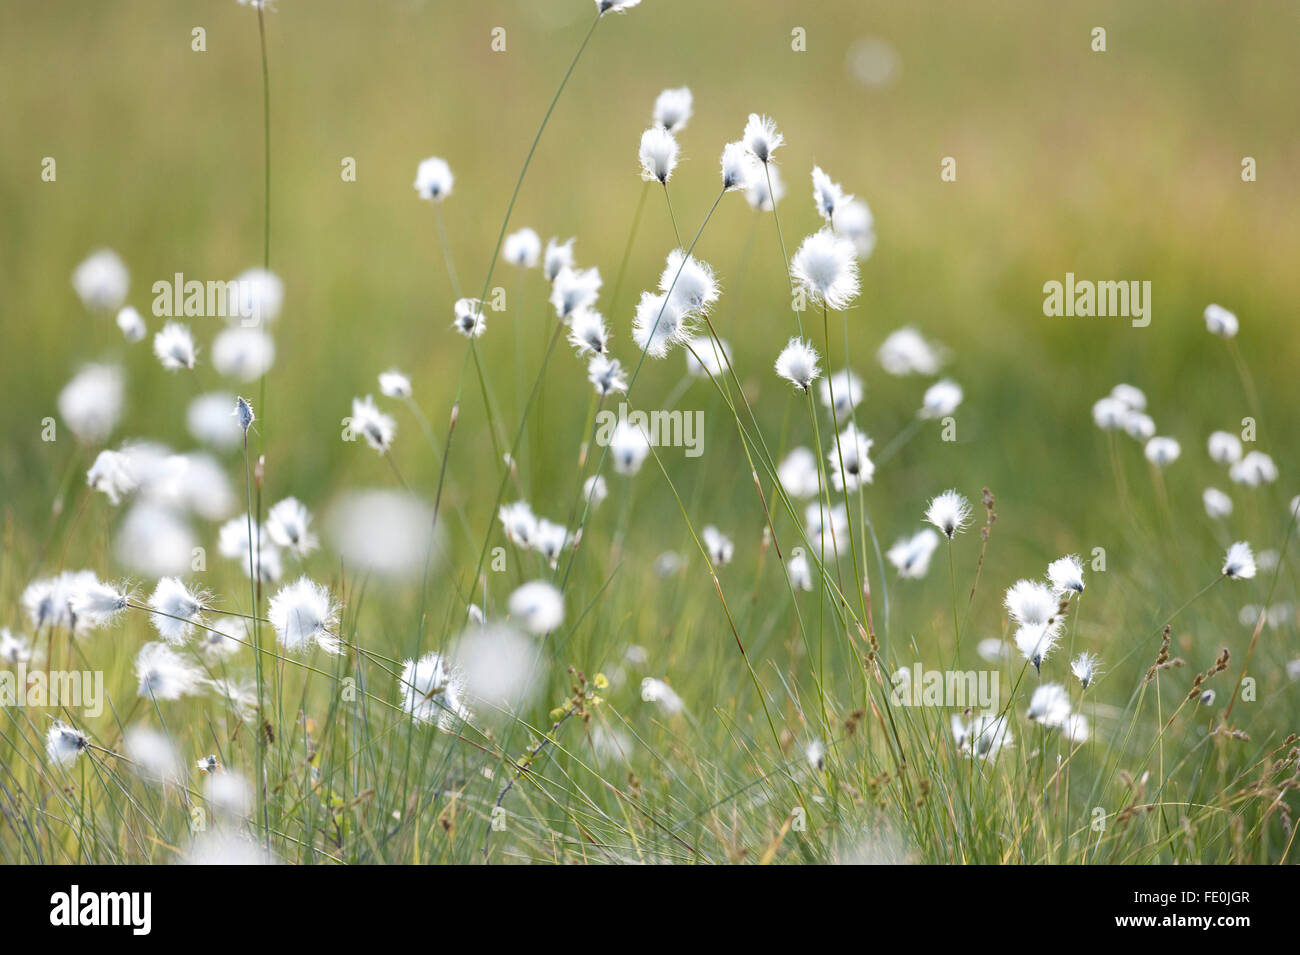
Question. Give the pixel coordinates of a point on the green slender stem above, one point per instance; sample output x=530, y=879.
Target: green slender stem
x=858, y=579
x=505, y=223
x=667, y=198
x=447, y=261
x=514, y=195
x=956, y=629
x=767, y=171
x=627, y=250
x=266, y=190
x=640, y=362
x=254, y=569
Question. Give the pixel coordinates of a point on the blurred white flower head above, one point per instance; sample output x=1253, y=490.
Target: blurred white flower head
x=1129, y=396
x=1253, y=470
x=433, y=179
x=174, y=347
x=1049, y=705
x=798, y=473
x=841, y=392
x=985, y=737
x=606, y=375
x=1162, y=451
x=827, y=530
x=369, y=422
x=163, y=674
x=432, y=691
x=854, y=221
x=288, y=523
x=1217, y=504
x=707, y=357
x=718, y=545
x=523, y=248
x=209, y=421
x=501, y=668
x=654, y=690
x=906, y=352
x=131, y=324
x=14, y=648
x=1219, y=321
x=1224, y=447
x=261, y=296
x=573, y=289
x=244, y=354
x=828, y=196
x=911, y=555
x=112, y=475
x=559, y=256
x=1109, y=413
x=51, y=602
x=154, y=540
x=1138, y=425
x=102, y=281
x=850, y=466
x=941, y=399
x=538, y=605
x=628, y=448
x=519, y=523
x=737, y=167
x=386, y=533
x=799, y=572
x=549, y=540
x=873, y=62
x=152, y=755
x=229, y=793
x=672, y=109
x=225, y=637
x=394, y=384
x=763, y=192
x=594, y=490
x=91, y=403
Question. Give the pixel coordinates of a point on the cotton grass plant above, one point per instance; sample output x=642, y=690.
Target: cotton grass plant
x=541, y=642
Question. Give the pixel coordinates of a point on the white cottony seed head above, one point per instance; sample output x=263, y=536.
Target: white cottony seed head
x=672, y=109
x=433, y=179
x=1239, y=563
x=797, y=364
x=949, y=511
x=658, y=155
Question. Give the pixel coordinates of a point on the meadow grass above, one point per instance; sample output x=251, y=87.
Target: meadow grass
x=694, y=706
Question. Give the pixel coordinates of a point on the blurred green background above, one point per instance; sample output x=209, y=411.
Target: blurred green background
x=1115, y=165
